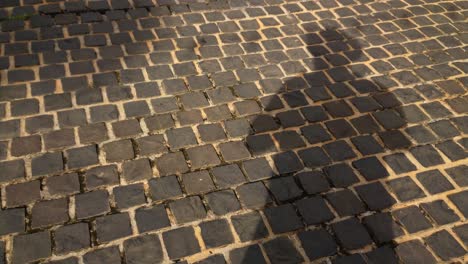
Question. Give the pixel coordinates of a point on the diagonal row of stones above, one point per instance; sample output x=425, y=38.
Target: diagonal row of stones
x=133, y=128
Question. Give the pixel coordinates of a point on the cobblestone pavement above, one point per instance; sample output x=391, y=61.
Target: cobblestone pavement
x=243, y=131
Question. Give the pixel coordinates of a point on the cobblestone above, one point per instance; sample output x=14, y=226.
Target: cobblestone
x=246, y=131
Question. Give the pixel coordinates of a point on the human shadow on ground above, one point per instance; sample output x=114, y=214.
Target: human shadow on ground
x=332, y=126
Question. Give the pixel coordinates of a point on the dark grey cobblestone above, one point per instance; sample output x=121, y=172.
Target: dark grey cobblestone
x=243, y=131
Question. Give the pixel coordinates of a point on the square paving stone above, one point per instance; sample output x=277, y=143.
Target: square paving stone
x=389, y=119
x=72, y=118
x=24, y=107
x=119, y=150
x=10, y=170
x=129, y=195
x=452, y=150
x=136, y=109
x=434, y=182
x=59, y=139
x=282, y=249
x=314, y=113
x=284, y=188
x=399, y=163
x=440, y=212
x=235, y=150
x=22, y=193
x=126, y=128
x=414, y=252
x=171, y=163
x=317, y=243
x=460, y=201
x=188, y=209
x=271, y=102
x=263, y=123
x=394, y=139
x=283, y=218
x=143, y=249
x=287, y=162
x=406, y=189
x=213, y=259
x=338, y=108
x=223, y=202
x=462, y=232
x=339, y=150
x=290, y=118
x=217, y=113
x=412, y=219
x=216, y=233
x=88, y=96
x=260, y=144
x=3, y=149
x=375, y=196
x=252, y=253
x=253, y=195
x=12, y=221
x=211, y=132
x=181, y=137
x=444, y=245
x=203, y=156
x=341, y=175
x=237, y=127
x=382, y=227
x=256, y=169
x=197, y=182
x=31, y=247
x=63, y=184
x=110, y=254
x=164, y=187
x=104, y=113
x=314, y=157
x=181, y=242
x=412, y=114
x=111, y=227
x=91, y=204
x=426, y=155
x=191, y=117
x=370, y=168
x=458, y=174
x=365, y=124
x=82, y=157
x=51, y=212
x=313, y=182
x=340, y=128
x=101, y=176
x=345, y=202
x=11, y=128
x=151, y=218
x=159, y=122
x=135, y=170
x=72, y=238
x=384, y=254
x=351, y=234
x=367, y=145
x=314, y=210
x=354, y=258
x=289, y=140
x=153, y=144
x=228, y=175
x=249, y=226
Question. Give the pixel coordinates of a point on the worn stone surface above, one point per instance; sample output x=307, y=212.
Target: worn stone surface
x=233, y=131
